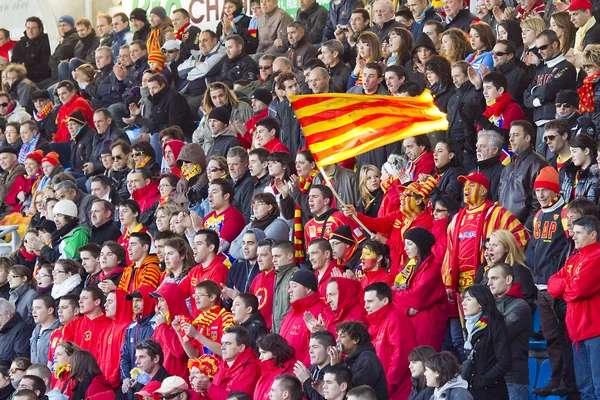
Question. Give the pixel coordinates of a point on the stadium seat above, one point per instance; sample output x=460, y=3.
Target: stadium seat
x=542, y=380
x=533, y=365
x=535, y=342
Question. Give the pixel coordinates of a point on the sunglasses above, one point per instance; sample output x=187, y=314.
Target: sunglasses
x=565, y=105
x=137, y=154
x=170, y=396
x=14, y=370
x=214, y=169
x=440, y=210
x=265, y=67
x=169, y=51
x=117, y=158
x=545, y=46
x=549, y=138
x=500, y=53
x=585, y=66
x=4, y=104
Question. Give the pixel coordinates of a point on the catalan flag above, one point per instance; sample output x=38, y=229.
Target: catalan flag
x=339, y=126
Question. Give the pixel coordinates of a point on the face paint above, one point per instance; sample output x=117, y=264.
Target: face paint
x=408, y=204
x=368, y=259
x=473, y=194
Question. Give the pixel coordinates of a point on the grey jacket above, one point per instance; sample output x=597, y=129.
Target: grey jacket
x=22, y=298
x=281, y=297
x=40, y=343
x=241, y=112
x=271, y=27
x=277, y=230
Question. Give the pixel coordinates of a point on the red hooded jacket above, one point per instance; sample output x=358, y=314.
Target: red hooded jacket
x=270, y=371
x=263, y=287
x=112, y=340
x=427, y=294
x=175, y=146
x=393, y=339
x=146, y=196
x=216, y=271
x=293, y=328
x=240, y=376
x=76, y=103
x=86, y=333
x=175, y=357
x=6, y=47
x=246, y=139
x=350, y=305
x=274, y=145
x=325, y=277
x=381, y=275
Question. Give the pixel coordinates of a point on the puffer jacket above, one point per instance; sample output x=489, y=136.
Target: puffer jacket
x=105, y=89
x=515, y=192
x=86, y=47
x=466, y=93
x=241, y=67
x=587, y=184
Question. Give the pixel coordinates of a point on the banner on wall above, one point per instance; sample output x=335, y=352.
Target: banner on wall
x=206, y=14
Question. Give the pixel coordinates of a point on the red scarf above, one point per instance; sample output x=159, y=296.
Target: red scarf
x=180, y=32
x=26, y=255
x=305, y=184
x=496, y=107
x=586, y=94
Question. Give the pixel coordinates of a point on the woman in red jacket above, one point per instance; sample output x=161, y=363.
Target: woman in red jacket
x=276, y=358
x=86, y=375
x=61, y=366
x=419, y=290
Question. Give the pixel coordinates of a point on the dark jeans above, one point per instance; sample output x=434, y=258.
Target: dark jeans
x=587, y=367
x=558, y=343
x=454, y=341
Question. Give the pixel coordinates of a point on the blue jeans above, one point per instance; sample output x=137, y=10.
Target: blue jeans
x=517, y=391
x=454, y=340
x=586, y=357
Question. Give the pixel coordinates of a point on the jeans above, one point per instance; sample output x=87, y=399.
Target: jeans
x=454, y=340
x=586, y=357
x=517, y=391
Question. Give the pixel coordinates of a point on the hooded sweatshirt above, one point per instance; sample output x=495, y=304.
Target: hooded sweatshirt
x=175, y=357
x=348, y=308
x=146, y=274
x=263, y=287
x=86, y=333
x=175, y=146
x=241, y=376
x=194, y=189
x=111, y=340
x=141, y=328
x=270, y=371
x=457, y=385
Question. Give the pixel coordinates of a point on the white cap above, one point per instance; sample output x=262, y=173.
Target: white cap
x=171, y=385
x=66, y=207
x=171, y=45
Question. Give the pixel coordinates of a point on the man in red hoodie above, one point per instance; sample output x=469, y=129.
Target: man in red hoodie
x=267, y=134
x=420, y=159
x=319, y=255
x=393, y=338
x=171, y=304
x=145, y=189
x=171, y=150
x=261, y=98
x=238, y=371
x=304, y=297
x=263, y=284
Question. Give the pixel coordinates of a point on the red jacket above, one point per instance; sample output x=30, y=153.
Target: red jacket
x=293, y=328
x=427, y=294
x=393, y=339
x=424, y=164
x=350, y=305
x=5, y=48
x=112, y=340
x=76, y=103
x=216, y=271
x=270, y=371
x=246, y=139
x=241, y=376
x=324, y=278
x=578, y=283
x=86, y=333
x=394, y=226
x=330, y=221
x=228, y=224
x=381, y=275
x=20, y=185
x=512, y=112
x=146, y=196
x=98, y=386
x=175, y=357
x=390, y=202
x=263, y=287
x=440, y=231
x=274, y=145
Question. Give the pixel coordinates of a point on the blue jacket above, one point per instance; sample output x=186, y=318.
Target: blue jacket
x=140, y=329
x=339, y=14
x=120, y=39
x=483, y=59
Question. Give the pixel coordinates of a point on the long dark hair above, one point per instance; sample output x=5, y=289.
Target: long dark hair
x=485, y=298
x=421, y=353
x=452, y=147
x=277, y=345
x=83, y=366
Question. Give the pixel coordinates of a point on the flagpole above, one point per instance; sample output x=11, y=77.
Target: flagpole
x=340, y=201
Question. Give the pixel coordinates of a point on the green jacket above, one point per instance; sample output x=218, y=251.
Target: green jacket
x=69, y=246
x=281, y=297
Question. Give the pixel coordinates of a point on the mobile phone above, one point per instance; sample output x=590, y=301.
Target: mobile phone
x=344, y=28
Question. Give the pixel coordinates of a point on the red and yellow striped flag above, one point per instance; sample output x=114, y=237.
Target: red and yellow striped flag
x=338, y=126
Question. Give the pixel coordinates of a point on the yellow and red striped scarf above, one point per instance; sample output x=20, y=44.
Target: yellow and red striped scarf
x=586, y=94
x=305, y=184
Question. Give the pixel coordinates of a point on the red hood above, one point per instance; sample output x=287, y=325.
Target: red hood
x=176, y=146
x=378, y=316
x=124, y=314
x=350, y=294
x=515, y=291
x=248, y=356
x=149, y=301
x=286, y=368
x=175, y=299
x=304, y=304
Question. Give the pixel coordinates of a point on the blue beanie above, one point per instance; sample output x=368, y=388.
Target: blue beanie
x=67, y=19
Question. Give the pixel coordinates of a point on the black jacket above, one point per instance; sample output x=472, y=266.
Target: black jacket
x=86, y=47
x=241, y=274
x=385, y=29
x=314, y=19
x=7, y=391
x=143, y=33
x=515, y=192
x=64, y=51
x=442, y=95
x=34, y=54
x=256, y=327
x=291, y=134
x=105, y=89
x=581, y=124
x=449, y=183
x=104, y=232
x=339, y=75
x=518, y=319
x=244, y=190
x=14, y=339
x=372, y=208
x=134, y=76
x=430, y=15
x=367, y=370
x=414, y=75
x=418, y=393
x=466, y=93
x=462, y=21
x=316, y=375
x=81, y=148
x=587, y=185
x=98, y=142
x=84, y=201
x=242, y=29
x=170, y=108
x=119, y=181
x=488, y=362
x=516, y=78
x=47, y=126
x=550, y=78
x=4, y=289
x=191, y=42
x=523, y=275
x=241, y=67
x=492, y=169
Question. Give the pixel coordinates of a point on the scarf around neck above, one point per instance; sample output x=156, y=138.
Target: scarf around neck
x=474, y=324
x=580, y=35
x=305, y=184
x=189, y=174
x=586, y=94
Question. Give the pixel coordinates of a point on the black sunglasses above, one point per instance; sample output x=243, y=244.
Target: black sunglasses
x=545, y=46
x=170, y=396
x=500, y=53
x=4, y=104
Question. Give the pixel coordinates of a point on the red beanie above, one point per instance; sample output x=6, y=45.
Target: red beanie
x=547, y=179
x=37, y=155
x=52, y=158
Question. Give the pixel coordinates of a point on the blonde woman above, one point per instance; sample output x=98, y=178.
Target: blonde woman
x=531, y=27
x=17, y=85
x=561, y=24
x=455, y=45
x=503, y=248
x=369, y=186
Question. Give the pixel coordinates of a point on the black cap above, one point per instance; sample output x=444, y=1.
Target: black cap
x=40, y=94
x=343, y=234
x=220, y=114
x=78, y=117
x=139, y=14
x=306, y=278
x=422, y=238
x=569, y=97
x=134, y=295
x=263, y=95
x=8, y=149
x=47, y=225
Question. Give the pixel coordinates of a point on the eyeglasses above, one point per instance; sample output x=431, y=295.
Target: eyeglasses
x=137, y=154
x=265, y=67
x=585, y=66
x=164, y=186
x=169, y=51
x=117, y=158
x=14, y=370
x=545, y=46
x=169, y=396
x=201, y=295
x=4, y=104
x=440, y=210
x=499, y=53
x=549, y=138
x=565, y=105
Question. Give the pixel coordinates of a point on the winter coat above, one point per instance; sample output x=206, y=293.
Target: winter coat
x=68, y=246
x=339, y=75
x=222, y=142
x=40, y=342
x=14, y=339
x=64, y=51
x=367, y=369
x=82, y=147
x=256, y=327
x=270, y=371
x=105, y=89
x=119, y=39
x=430, y=14
x=488, y=362
x=293, y=328
x=492, y=168
x=22, y=298
x=240, y=112
x=419, y=393
x=393, y=339
x=21, y=91
x=241, y=67
x=8, y=179
x=339, y=14
x=86, y=47
x=454, y=389
x=463, y=20
x=273, y=26
x=76, y=103
x=98, y=143
x=373, y=207
x=516, y=78
x=449, y=183
x=314, y=19
x=577, y=284
x=242, y=375
x=348, y=308
x=465, y=94
x=523, y=276
x=244, y=189
x=84, y=201
x=170, y=108
x=281, y=298
x=426, y=293
x=147, y=195
x=105, y=232
x=34, y=54
x=18, y=114
x=516, y=192
x=587, y=184
x=518, y=319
